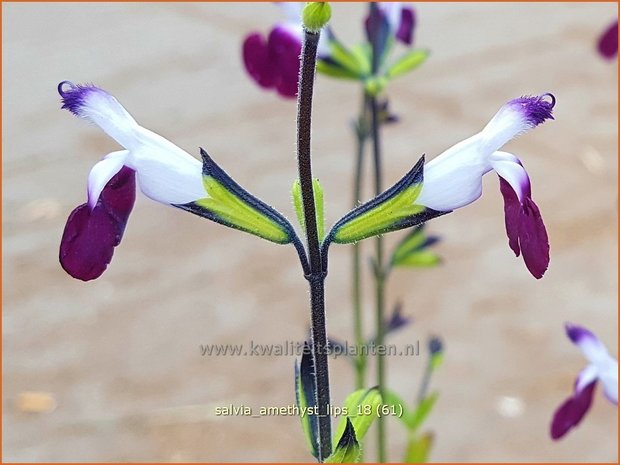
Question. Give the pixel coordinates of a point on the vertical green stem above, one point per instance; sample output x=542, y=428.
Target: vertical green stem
x=361, y=132
x=379, y=267
x=316, y=277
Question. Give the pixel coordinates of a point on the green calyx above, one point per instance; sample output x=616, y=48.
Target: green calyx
x=227, y=203
x=239, y=214
x=318, y=205
x=382, y=218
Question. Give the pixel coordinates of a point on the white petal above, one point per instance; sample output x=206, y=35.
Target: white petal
x=101, y=174
x=585, y=377
x=102, y=109
x=165, y=172
x=608, y=375
x=509, y=167
x=454, y=178
x=392, y=11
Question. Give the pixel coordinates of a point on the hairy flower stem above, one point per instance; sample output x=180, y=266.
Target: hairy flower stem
x=379, y=273
x=316, y=277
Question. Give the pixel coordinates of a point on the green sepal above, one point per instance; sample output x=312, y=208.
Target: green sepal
x=361, y=407
x=392, y=210
x=422, y=411
x=407, y=63
x=348, y=449
x=343, y=62
x=316, y=15
x=411, y=251
x=418, y=448
x=319, y=206
x=393, y=399
x=229, y=204
x=306, y=399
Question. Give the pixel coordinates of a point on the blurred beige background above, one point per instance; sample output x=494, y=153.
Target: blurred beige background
x=120, y=356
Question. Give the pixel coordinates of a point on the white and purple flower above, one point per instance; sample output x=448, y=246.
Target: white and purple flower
x=274, y=62
x=601, y=367
x=164, y=172
x=454, y=178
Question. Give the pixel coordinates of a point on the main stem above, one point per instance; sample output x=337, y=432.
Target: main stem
x=316, y=277
x=379, y=268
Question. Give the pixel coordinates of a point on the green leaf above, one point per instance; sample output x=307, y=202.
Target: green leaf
x=348, y=449
x=392, y=210
x=229, y=204
x=374, y=85
x=422, y=411
x=361, y=408
x=407, y=63
x=393, y=399
x=305, y=397
x=316, y=15
x=418, y=448
x=318, y=205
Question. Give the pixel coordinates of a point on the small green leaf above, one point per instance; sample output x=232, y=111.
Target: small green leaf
x=422, y=411
x=407, y=63
x=348, y=449
x=305, y=397
x=418, y=448
x=436, y=360
x=361, y=408
x=393, y=399
x=318, y=205
x=316, y=15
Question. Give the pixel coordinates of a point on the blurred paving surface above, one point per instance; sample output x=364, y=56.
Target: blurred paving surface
x=119, y=358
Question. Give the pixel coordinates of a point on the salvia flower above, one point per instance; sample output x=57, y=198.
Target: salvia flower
x=601, y=367
x=273, y=62
x=164, y=172
x=454, y=179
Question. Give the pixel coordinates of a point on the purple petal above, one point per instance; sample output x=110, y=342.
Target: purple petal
x=406, y=26
x=572, y=411
x=536, y=109
x=533, y=239
x=526, y=231
x=90, y=236
x=512, y=214
x=608, y=41
x=284, y=49
x=256, y=61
